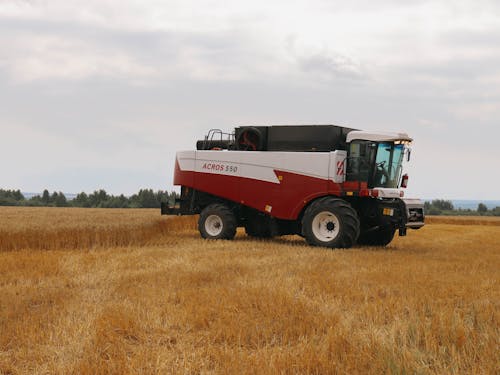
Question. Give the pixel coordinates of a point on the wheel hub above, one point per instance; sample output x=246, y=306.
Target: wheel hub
x=330, y=226
x=214, y=225
x=326, y=226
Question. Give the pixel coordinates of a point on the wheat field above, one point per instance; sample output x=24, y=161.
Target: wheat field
x=104, y=291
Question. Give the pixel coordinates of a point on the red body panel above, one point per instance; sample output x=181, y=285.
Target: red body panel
x=183, y=178
x=284, y=200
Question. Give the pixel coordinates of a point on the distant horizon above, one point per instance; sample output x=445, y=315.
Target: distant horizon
x=463, y=203
x=176, y=188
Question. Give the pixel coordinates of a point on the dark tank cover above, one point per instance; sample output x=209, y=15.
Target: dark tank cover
x=292, y=137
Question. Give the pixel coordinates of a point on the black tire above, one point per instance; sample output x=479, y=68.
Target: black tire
x=217, y=221
x=330, y=222
x=378, y=237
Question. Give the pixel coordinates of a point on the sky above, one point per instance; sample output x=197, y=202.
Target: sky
x=101, y=94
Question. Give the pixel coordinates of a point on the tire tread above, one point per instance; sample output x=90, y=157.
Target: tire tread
x=228, y=217
x=347, y=216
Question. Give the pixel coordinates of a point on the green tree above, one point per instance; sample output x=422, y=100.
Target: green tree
x=481, y=208
x=45, y=197
x=17, y=195
x=120, y=201
x=81, y=200
x=35, y=200
x=60, y=200
x=146, y=198
x=434, y=211
x=427, y=206
x=53, y=197
x=8, y=198
x=98, y=198
x=442, y=205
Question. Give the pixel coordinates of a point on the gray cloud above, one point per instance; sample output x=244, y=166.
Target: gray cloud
x=84, y=51
x=336, y=67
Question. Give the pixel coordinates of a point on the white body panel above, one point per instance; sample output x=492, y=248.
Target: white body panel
x=186, y=160
x=377, y=136
x=388, y=192
x=261, y=165
x=338, y=166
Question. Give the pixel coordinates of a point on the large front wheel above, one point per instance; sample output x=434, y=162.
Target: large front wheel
x=330, y=222
x=217, y=221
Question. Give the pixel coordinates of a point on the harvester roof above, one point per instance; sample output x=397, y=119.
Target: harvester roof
x=377, y=136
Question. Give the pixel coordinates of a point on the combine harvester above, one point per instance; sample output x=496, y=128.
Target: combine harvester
x=333, y=185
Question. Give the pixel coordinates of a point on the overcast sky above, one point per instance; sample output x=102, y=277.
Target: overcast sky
x=100, y=94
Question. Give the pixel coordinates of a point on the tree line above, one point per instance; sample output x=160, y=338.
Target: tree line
x=145, y=198
x=148, y=198
x=445, y=207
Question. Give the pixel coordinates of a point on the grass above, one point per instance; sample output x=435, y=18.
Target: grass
x=147, y=295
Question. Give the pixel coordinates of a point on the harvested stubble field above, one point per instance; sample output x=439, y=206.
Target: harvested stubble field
x=126, y=291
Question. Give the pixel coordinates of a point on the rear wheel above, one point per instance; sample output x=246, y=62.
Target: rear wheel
x=217, y=221
x=378, y=237
x=330, y=222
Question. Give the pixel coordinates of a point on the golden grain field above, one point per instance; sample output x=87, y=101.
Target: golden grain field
x=91, y=291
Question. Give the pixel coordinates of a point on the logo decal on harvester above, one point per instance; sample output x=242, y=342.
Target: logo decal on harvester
x=340, y=168
x=219, y=167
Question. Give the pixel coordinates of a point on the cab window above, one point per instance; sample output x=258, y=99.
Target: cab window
x=388, y=165
x=360, y=162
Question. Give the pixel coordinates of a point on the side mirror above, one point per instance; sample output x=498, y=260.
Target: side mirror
x=408, y=154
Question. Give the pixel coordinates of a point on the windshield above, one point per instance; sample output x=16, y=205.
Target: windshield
x=379, y=164
x=388, y=165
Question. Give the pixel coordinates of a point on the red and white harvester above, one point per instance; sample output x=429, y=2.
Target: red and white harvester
x=333, y=185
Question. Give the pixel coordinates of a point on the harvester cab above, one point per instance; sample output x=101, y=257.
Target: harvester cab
x=333, y=185
x=377, y=159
